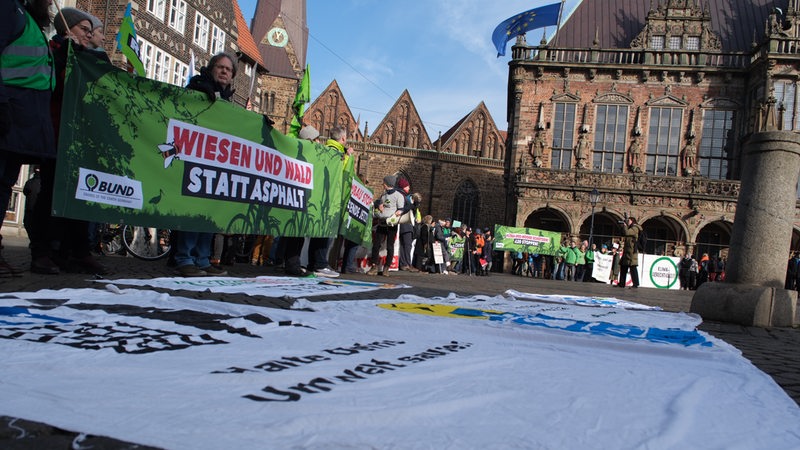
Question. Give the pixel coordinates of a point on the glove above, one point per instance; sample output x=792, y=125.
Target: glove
x=269, y=122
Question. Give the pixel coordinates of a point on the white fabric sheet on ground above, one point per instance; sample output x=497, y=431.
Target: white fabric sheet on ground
x=411, y=372
x=264, y=286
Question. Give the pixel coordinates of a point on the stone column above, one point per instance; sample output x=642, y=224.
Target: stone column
x=753, y=293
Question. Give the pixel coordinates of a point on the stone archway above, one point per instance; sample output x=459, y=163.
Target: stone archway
x=606, y=229
x=664, y=235
x=714, y=238
x=548, y=219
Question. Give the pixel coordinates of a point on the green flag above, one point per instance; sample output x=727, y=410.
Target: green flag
x=302, y=97
x=146, y=153
x=127, y=43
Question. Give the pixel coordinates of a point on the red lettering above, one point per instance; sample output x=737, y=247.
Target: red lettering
x=247, y=150
x=235, y=153
x=210, y=148
x=224, y=146
x=186, y=141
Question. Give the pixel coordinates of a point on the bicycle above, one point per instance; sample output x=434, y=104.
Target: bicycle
x=145, y=243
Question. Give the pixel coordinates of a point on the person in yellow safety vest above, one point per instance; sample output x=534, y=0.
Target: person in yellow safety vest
x=27, y=80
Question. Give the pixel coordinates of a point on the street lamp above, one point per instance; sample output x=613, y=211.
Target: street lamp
x=594, y=197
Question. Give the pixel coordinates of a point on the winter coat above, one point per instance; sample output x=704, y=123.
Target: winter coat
x=630, y=256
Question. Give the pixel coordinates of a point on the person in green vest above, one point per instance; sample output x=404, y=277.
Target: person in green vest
x=27, y=80
x=580, y=260
x=560, y=265
x=589, y=268
x=570, y=259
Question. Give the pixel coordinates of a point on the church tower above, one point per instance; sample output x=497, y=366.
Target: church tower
x=280, y=30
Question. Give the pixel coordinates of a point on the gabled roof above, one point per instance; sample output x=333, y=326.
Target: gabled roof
x=244, y=39
x=465, y=123
x=413, y=119
x=315, y=114
x=617, y=22
x=290, y=60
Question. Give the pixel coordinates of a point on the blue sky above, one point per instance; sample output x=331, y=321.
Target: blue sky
x=440, y=50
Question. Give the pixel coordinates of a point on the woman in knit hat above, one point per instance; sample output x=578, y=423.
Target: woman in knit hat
x=71, y=235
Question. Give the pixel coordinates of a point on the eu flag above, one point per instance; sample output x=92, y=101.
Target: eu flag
x=523, y=22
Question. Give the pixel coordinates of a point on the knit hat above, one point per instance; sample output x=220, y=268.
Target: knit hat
x=309, y=132
x=389, y=180
x=96, y=23
x=73, y=16
x=402, y=183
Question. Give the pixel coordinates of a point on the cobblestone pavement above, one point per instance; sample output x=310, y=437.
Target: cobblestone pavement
x=776, y=351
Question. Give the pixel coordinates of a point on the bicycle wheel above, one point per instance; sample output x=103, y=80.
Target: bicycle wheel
x=146, y=243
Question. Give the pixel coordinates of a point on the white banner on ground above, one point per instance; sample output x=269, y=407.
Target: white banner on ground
x=263, y=286
x=452, y=372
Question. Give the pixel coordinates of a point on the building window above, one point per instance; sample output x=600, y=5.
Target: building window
x=157, y=63
x=217, y=40
x=248, y=70
x=465, y=204
x=663, y=141
x=692, y=43
x=201, y=31
x=156, y=8
x=180, y=73
x=716, y=146
x=609, y=139
x=674, y=42
x=657, y=42
x=177, y=15
x=786, y=95
x=563, y=136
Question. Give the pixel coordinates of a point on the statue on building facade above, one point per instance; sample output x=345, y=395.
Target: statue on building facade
x=688, y=155
x=581, y=150
x=635, y=155
x=537, y=149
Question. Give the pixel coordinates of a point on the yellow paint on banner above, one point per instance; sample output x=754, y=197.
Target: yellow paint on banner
x=440, y=310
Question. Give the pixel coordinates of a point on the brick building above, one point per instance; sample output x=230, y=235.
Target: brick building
x=651, y=103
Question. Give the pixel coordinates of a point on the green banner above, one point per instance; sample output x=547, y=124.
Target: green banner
x=529, y=240
x=357, y=207
x=146, y=153
x=456, y=245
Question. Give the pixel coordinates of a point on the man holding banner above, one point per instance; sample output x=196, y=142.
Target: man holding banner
x=193, y=249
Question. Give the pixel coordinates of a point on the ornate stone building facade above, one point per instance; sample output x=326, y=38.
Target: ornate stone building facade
x=650, y=102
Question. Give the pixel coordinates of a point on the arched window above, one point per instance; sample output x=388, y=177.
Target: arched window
x=466, y=203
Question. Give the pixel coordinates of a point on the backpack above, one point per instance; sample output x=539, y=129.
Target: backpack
x=641, y=241
x=479, y=241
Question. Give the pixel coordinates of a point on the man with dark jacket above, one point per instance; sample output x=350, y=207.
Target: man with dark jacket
x=630, y=254
x=193, y=249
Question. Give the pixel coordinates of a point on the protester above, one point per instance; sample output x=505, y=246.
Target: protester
x=389, y=204
x=193, y=249
x=26, y=131
x=630, y=254
x=60, y=243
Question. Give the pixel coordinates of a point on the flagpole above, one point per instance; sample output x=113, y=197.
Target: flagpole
x=558, y=25
x=61, y=14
